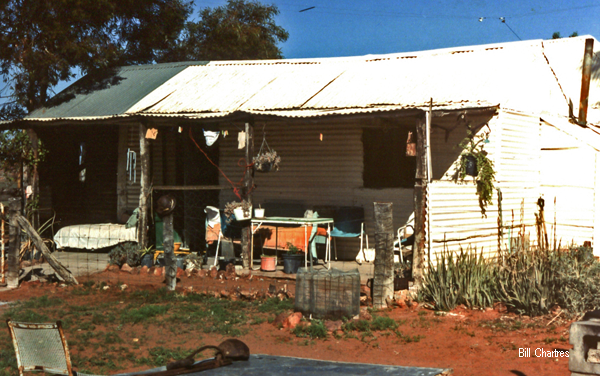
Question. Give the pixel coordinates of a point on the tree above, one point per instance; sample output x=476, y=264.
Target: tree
x=45, y=42
x=239, y=30
x=556, y=35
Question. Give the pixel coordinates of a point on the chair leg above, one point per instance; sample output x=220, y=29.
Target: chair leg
x=335, y=249
x=217, y=251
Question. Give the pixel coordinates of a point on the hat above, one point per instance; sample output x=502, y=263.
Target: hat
x=165, y=205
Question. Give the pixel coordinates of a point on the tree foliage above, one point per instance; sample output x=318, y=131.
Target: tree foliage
x=44, y=42
x=238, y=30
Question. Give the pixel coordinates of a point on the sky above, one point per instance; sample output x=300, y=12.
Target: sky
x=352, y=27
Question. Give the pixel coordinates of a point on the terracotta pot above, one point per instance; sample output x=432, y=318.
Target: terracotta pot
x=268, y=263
x=176, y=246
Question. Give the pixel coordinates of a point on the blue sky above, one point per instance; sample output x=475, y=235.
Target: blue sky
x=352, y=27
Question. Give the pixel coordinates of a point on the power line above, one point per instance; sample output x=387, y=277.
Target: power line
x=509, y=28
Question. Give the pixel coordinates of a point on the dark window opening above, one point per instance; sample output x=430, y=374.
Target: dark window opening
x=385, y=162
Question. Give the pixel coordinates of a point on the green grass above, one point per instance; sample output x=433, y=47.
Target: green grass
x=316, y=329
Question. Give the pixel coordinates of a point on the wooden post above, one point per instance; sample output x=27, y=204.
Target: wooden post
x=34, y=177
x=12, y=275
x=63, y=272
x=420, y=196
x=144, y=187
x=247, y=195
x=3, y=279
x=170, y=262
x=383, y=281
x=122, y=171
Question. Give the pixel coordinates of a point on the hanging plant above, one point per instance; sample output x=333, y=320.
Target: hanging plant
x=267, y=159
x=474, y=161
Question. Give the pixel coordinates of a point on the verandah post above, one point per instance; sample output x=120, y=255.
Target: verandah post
x=247, y=195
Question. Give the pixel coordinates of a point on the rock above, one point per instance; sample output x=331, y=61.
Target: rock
x=123, y=286
x=272, y=289
x=334, y=326
x=180, y=273
x=126, y=268
x=225, y=294
x=390, y=302
x=202, y=273
x=189, y=288
x=189, y=272
x=247, y=294
x=105, y=288
x=113, y=268
x=500, y=307
x=158, y=271
x=230, y=269
x=136, y=270
x=364, y=315
x=144, y=269
x=213, y=272
x=278, y=322
x=365, y=290
x=292, y=320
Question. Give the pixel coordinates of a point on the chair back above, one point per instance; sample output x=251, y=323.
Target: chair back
x=40, y=347
x=347, y=221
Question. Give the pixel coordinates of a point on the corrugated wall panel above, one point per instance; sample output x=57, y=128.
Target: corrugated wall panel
x=456, y=220
x=314, y=172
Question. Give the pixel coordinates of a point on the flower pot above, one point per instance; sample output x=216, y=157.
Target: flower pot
x=268, y=263
x=470, y=165
x=148, y=260
x=259, y=213
x=292, y=262
x=264, y=166
x=240, y=215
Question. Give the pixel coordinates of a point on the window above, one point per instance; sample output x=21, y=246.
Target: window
x=385, y=162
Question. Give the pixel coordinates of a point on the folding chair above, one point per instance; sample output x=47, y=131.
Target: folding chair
x=41, y=347
x=404, y=239
x=348, y=223
x=228, y=231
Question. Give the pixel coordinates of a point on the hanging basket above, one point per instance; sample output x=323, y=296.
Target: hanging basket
x=263, y=167
x=470, y=165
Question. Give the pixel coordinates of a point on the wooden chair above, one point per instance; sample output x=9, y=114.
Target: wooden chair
x=41, y=347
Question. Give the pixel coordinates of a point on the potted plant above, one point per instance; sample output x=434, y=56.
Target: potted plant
x=474, y=162
x=292, y=259
x=147, y=256
x=241, y=210
x=266, y=161
x=268, y=263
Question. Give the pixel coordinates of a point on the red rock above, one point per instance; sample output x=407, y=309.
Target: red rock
x=247, y=294
x=158, y=271
x=364, y=315
x=213, y=272
x=180, y=273
x=126, y=268
x=144, y=269
x=365, y=290
x=280, y=318
x=333, y=326
x=202, y=273
x=225, y=294
x=189, y=272
x=293, y=320
x=500, y=307
x=113, y=268
x=136, y=270
x=230, y=269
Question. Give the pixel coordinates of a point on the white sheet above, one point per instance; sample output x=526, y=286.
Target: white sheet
x=94, y=236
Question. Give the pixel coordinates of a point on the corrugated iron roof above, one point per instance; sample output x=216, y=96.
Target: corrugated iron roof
x=529, y=76
x=111, y=93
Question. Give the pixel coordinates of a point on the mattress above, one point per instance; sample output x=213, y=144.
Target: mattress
x=94, y=236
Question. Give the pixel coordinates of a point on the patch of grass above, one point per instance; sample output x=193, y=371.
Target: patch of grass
x=315, y=330
x=383, y=323
x=144, y=313
x=408, y=338
x=159, y=356
x=276, y=306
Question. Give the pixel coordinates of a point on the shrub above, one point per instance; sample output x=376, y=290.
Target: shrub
x=125, y=253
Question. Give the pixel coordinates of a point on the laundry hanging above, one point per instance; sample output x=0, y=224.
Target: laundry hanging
x=210, y=137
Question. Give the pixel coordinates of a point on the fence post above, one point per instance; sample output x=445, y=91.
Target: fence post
x=12, y=275
x=383, y=281
x=247, y=195
x=170, y=262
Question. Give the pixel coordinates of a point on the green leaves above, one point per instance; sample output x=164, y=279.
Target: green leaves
x=240, y=30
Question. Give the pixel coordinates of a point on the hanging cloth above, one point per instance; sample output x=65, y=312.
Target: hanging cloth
x=210, y=137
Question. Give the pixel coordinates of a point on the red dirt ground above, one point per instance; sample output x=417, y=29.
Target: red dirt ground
x=461, y=340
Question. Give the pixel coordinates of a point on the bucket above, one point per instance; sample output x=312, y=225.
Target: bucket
x=259, y=213
x=148, y=260
x=291, y=263
x=268, y=263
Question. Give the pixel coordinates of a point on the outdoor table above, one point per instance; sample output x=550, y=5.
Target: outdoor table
x=305, y=222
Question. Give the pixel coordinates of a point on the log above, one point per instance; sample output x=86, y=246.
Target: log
x=59, y=268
